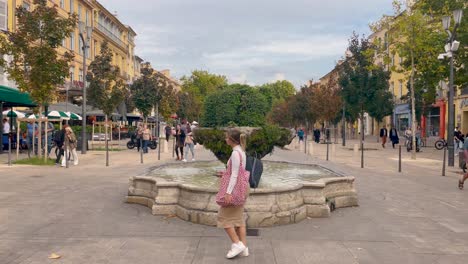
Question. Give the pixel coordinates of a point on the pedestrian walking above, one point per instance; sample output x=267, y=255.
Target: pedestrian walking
x=139, y=136
x=189, y=144
x=465, y=175
x=59, y=139
x=383, y=135
x=457, y=143
x=168, y=131
x=317, y=135
x=300, y=134
x=180, y=141
x=145, y=134
x=233, y=191
x=394, y=136
x=70, y=146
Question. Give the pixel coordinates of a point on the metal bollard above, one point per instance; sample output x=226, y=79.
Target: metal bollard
x=399, y=158
x=443, y=164
x=141, y=151
x=362, y=155
x=328, y=144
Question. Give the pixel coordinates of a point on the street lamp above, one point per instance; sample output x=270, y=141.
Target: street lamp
x=85, y=35
x=450, y=48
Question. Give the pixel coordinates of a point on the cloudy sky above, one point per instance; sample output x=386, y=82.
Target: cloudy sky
x=249, y=41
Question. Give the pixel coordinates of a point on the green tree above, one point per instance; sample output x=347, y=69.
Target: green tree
x=300, y=107
x=436, y=9
x=416, y=38
x=364, y=85
x=326, y=100
x=277, y=91
x=142, y=90
x=36, y=66
x=106, y=87
x=199, y=85
x=165, y=96
x=238, y=103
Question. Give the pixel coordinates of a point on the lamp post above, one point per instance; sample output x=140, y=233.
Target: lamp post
x=85, y=35
x=450, y=48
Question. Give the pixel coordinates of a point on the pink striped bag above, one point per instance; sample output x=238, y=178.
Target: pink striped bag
x=239, y=192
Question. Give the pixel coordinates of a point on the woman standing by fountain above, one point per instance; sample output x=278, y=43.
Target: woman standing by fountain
x=233, y=192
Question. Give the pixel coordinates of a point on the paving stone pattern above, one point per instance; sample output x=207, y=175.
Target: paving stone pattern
x=79, y=213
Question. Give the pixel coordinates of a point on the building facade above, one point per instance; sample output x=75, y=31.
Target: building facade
x=105, y=27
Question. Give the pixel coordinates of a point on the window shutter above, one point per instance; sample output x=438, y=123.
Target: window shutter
x=3, y=15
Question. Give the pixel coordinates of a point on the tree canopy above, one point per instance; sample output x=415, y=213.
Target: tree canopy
x=106, y=88
x=36, y=66
x=237, y=103
x=365, y=85
x=277, y=91
x=197, y=87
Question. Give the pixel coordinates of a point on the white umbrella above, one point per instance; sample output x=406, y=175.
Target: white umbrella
x=57, y=115
x=33, y=116
x=12, y=113
x=73, y=116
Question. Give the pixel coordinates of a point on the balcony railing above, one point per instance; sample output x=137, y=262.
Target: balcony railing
x=111, y=35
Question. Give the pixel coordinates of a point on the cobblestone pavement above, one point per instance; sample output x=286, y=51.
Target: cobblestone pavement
x=416, y=216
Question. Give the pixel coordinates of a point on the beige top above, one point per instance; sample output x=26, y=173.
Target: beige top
x=146, y=134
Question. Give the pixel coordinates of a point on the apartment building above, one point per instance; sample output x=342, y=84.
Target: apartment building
x=105, y=27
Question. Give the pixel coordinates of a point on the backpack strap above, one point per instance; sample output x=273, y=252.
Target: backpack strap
x=240, y=156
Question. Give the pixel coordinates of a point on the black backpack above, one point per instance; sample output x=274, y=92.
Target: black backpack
x=255, y=167
x=59, y=137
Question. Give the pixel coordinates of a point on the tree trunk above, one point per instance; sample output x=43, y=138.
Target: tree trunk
x=413, y=110
x=107, y=142
x=46, y=147
x=39, y=137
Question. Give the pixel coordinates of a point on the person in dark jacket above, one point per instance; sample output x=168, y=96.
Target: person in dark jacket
x=383, y=135
x=180, y=142
x=59, y=142
x=394, y=136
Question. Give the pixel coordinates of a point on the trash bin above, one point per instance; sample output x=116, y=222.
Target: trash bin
x=79, y=144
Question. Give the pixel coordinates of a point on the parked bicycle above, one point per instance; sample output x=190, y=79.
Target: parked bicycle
x=409, y=144
x=440, y=144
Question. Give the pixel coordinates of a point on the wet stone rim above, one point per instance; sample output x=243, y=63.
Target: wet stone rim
x=265, y=207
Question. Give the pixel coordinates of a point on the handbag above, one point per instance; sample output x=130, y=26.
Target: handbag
x=239, y=192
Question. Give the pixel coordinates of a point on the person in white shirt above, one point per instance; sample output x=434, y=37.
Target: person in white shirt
x=231, y=218
x=6, y=131
x=6, y=126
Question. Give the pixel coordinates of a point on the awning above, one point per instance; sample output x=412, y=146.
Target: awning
x=11, y=97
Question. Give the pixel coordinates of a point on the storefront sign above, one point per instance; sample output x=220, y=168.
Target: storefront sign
x=463, y=103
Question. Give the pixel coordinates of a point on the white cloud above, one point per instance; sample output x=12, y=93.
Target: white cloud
x=279, y=77
x=309, y=47
x=242, y=78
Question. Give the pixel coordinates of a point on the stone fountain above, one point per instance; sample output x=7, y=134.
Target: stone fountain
x=288, y=192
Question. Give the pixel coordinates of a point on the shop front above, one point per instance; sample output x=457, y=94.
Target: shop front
x=433, y=125
x=402, y=117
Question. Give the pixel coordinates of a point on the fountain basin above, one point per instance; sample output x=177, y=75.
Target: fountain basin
x=284, y=196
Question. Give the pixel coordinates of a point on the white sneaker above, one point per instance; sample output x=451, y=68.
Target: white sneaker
x=184, y=160
x=193, y=159
x=236, y=249
x=245, y=253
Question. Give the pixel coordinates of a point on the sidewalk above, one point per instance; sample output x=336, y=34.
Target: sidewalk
x=412, y=217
